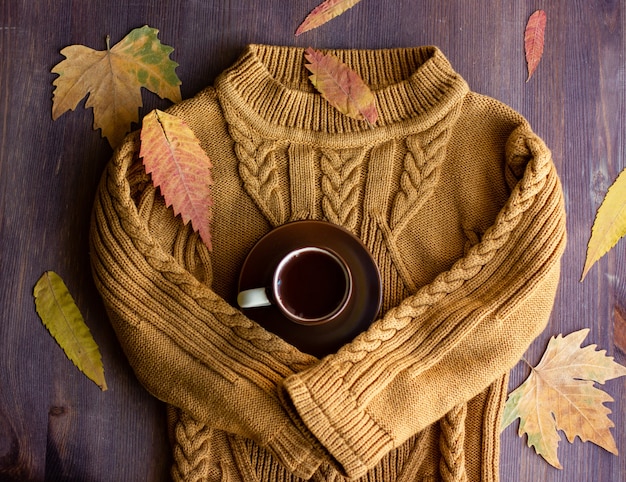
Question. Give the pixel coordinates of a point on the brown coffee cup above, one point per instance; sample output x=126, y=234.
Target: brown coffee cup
x=309, y=285
x=312, y=283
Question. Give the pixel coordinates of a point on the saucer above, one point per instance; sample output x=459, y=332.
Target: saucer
x=362, y=309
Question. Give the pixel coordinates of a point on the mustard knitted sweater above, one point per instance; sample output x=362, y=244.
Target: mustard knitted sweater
x=458, y=202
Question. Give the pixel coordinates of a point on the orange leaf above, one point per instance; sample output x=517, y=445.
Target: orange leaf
x=533, y=40
x=324, y=12
x=113, y=79
x=180, y=168
x=560, y=394
x=341, y=87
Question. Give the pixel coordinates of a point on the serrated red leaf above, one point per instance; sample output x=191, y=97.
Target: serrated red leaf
x=324, y=12
x=343, y=88
x=534, y=40
x=180, y=168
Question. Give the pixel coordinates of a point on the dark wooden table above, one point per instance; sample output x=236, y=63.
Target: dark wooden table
x=57, y=425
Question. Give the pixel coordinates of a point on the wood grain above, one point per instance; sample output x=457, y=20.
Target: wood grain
x=54, y=423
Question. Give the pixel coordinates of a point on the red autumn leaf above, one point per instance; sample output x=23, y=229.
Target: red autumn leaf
x=341, y=86
x=180, y=168
x=533, y=40
x=324, y=12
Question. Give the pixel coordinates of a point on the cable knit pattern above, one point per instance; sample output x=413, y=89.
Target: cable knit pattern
x=452, y=464
x=191, y=450
x=465, y=269
x=421, y=171
x=259, y=172
x=341, y=175
x=417, y=181
x=399, y=401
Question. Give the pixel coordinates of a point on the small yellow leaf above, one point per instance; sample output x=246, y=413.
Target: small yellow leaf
x=61, y=317
x=609, y=225
x=341, y=86
x=113, y=79
x=560, y=394
x=324, y=12
x=180, y=168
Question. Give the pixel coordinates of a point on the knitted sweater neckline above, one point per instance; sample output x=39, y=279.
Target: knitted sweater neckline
x=269, y=89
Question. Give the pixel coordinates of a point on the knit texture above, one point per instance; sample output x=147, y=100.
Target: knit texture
x=458, y=202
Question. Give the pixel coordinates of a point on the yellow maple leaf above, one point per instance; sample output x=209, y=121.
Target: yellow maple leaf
x=113, y=79
x=560, y=394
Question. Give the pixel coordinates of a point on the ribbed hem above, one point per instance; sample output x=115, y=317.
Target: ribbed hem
x=354, y=439
x=294, y=453
x=491, y=429
x=269, y=86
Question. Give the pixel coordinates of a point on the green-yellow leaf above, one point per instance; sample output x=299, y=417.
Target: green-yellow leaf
x=61, y=317
x=560, y=394
x=113, y=79
x=609, y=225
x=180, y=168
x=324, y=12
x=342, y=87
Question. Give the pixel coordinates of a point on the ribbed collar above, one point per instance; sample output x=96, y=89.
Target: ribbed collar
x=269, y=87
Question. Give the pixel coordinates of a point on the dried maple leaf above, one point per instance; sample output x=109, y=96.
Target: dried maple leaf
x=324, y=12
x=180, y=168
x=113, y=79
x=534, y=39
x=560, y=394
x=341, y=86
x=610, y=223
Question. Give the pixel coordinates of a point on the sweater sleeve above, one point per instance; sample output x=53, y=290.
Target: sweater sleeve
x=450, y=340
x=186, y=344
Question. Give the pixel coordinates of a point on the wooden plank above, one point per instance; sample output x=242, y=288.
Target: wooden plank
x=56, y=424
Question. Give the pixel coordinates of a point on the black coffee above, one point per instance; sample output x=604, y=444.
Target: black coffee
x=312, y=285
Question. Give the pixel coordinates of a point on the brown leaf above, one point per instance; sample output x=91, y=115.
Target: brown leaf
x=619, y=329
x=341, y=86
x=533, y=40
x=180, y=168
x=113, y=79
x=324, y=12
x=560, y=394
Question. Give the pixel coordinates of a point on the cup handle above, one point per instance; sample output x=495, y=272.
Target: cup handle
x=253, y=298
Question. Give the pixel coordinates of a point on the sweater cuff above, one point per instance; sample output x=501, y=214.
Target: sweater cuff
x=350, y=435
